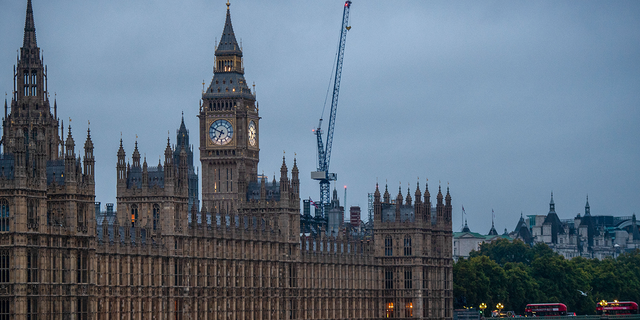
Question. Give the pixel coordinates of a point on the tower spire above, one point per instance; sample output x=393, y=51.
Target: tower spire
x=29, y=40
x=228, y=44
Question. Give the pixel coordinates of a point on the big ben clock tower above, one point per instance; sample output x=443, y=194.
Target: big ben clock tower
x=229, y=129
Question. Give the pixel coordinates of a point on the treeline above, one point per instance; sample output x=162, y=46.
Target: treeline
x=516, y=274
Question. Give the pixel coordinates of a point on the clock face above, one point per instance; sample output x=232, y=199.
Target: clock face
x=252, y=134
x=221, y=132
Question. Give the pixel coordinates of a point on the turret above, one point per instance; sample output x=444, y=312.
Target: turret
x=377, y=206
x=69, y=159
x=121, y=167
x=398, y=205
x=295, y=181
x=284, y=181
x=136, y=156
x=386, y=197
x=419, y=208
x=89, y=161
x=447, y=208
x=183, y=167
x=439, y=207
x=145, y=175
x=427, y=203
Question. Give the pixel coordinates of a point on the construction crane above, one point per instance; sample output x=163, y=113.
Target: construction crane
x=324, y=152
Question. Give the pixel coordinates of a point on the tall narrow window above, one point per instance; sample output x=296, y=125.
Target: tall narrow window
x=82, y=272
x=156, y=217
x=4, y=215
x=178, y=270
x=407, y=246
x=388, y=246
x=32, y=308
x=5, y=262
x=5, y=311
x=388, y=278
x=83, y=308
x=34, y=77
x=26, y=78
x=65, y=267
x=32, y=265
x=176, y=217
x=408, y=278
x=32, y=214
x=134, y=215
x=408, y=308
x=81, y=218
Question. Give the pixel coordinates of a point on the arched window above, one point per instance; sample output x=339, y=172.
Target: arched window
x=134, y=215
x=32, y=221
x=388, y=246
x=156, y=217
x=4, y=215
x=407, y=246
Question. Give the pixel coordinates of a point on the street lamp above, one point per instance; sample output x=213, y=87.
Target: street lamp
x=499, y=306
x=603, y=304
x=482, y=307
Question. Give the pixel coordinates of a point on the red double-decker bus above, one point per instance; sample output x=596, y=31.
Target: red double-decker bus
x=545, y=309
x=618, y=307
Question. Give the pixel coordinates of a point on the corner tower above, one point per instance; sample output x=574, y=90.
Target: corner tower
x=229, y=128
x=30, y=118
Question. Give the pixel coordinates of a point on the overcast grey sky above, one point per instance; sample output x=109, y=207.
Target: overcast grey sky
x=504, y=100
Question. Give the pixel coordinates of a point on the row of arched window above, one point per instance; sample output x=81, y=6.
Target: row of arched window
x=388, y=246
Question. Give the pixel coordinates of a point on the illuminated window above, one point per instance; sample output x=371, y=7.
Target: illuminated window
x=408, y=308
x=134, y=215
x=389, y=309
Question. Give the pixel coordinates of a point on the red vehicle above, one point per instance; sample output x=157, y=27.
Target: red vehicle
x=545, y=309
x=618, y=307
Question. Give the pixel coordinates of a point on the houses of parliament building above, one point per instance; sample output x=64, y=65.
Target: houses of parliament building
x=162, y=255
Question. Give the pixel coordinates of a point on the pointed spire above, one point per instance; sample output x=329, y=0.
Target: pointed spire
x=228, y=44
x=466, y=227
x=418, y=194
x=121, y=149
x=386, y=196
x=552, y=205
x=587, y=208
x=408, y=199
x=29, y=41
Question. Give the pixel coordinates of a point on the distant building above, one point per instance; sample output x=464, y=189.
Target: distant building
x=354, y=216
x=584, y=236
x=466, y=241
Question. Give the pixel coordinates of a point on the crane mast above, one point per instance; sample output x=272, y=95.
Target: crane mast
x=324, y=152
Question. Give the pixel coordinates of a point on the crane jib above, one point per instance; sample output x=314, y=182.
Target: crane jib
x=324, y=151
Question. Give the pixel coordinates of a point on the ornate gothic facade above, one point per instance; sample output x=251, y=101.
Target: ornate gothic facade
x=159, y=256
